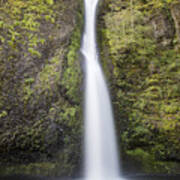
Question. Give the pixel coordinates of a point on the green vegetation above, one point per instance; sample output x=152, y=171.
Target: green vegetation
x=40, y=80
x=150, y=164
x=20, y=24
x=140, y=54
x=44, y=168
x=72, y=75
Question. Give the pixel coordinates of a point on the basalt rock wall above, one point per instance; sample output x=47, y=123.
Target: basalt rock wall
x=139, y=48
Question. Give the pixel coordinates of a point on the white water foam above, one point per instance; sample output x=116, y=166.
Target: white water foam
x=101, y=157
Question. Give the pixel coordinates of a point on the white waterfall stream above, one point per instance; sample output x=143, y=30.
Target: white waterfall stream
x=101, y=157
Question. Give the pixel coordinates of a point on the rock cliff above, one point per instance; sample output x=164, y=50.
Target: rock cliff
x=139, y=43
x=40, y=81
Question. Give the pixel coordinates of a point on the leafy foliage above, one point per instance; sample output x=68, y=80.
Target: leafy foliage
x=145, y=77
x=40, y=78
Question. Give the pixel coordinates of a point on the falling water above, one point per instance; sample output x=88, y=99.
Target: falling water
x=101, y=157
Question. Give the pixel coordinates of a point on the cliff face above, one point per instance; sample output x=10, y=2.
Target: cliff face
x=40, y=80
x=139, y=43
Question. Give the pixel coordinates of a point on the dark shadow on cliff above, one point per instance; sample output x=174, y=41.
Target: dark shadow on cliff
x=128, y=177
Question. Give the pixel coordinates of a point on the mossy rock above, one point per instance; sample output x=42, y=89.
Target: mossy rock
x=40, y=96
x=143, y=75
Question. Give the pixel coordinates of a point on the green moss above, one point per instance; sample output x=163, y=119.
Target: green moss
x=50, y=2
x=50, y=74
x=40, y=85
x=34, y=52
x=150, y=164
x=23, y=22
x=3, y=114
x=72, y=77
x=29, y=80
x=42, y=168
x=143, y=76
x=170, y=109
x=27, y=91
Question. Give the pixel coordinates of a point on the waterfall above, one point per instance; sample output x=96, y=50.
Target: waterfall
x=101, y=157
